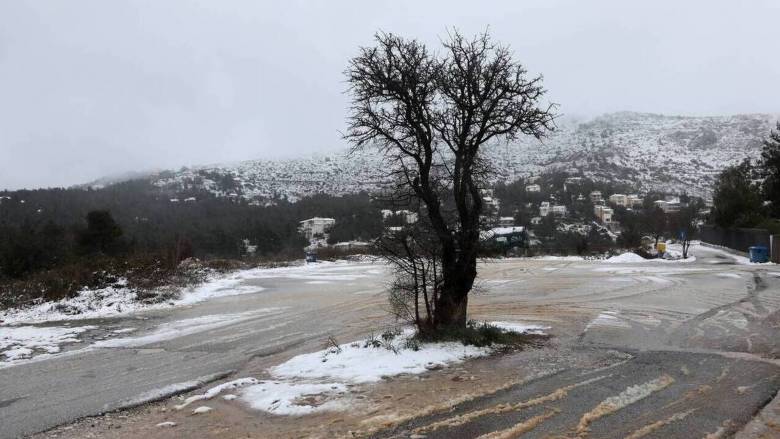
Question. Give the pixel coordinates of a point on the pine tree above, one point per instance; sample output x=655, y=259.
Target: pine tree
x=770, y=164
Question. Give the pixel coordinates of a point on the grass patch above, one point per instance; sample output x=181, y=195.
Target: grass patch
x=482, y=334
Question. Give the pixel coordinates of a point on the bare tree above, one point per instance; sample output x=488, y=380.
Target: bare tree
x=685, y=225
x=431, y=115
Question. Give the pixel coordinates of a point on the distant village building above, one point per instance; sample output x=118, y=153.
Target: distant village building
x=571, y=182
x=545, y=208
x=559, y=210
x=619, y=199
x=506, y=221
x=403, y=216
x=506, y=237
x=249, y=248
x=595, y=197
x=634, y=200
x=603, y=213
x=491, y=203
x=316, y=227
x=533, y=188
x=536, y=220
x=351, y=245
x=668, y=206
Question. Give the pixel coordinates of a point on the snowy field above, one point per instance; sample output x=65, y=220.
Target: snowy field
x=322, y=381
x=57, y=323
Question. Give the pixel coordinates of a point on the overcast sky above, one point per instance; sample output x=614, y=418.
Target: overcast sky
x=95, y=88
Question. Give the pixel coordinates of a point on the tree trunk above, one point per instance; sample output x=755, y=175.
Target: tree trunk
x=451, y=311
x=452, y=303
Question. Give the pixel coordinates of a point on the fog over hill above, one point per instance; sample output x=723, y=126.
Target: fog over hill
x=650, y=151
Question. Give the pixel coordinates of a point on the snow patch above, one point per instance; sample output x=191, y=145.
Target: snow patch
x=179, y=328
x=283, y=398
x=118, y=299
x=521, y=328
x=352, y=362
x=214, y=391
x=559, y=258
x=202, y=409
x=320, y=381
x=19, y=343
x=607, y=319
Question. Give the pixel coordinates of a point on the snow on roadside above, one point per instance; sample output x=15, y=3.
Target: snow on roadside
x=738, y=259
x=179, y=328
x=321, y=381
x=559, y=258
x=362, y=363
x=282, y=398
x=20, y=343
x=118, y=299
x=522, y=328
x=633, y=258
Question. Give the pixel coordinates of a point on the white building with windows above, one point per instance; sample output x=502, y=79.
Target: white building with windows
x=634, y=200
x=533, y=188
x=603, y=213
x=544, y=209
x=316, y=227
x=668, y=206
x=619, y=199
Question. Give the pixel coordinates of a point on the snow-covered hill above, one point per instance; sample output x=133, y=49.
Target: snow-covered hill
x=669, y=153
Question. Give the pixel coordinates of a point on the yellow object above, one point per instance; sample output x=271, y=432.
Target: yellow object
x=661, y=247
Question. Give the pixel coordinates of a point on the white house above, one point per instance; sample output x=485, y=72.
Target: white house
x=315, y=227
x=668, y=206
x=544, y=208
x=559, y=210
x=634, y=200
x=506, y=221
x=603, y=213
x=533, y=188
x=619, y=199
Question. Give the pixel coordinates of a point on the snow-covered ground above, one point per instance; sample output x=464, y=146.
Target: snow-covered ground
x=118, y=300
x=20, y=343
x=321, y=381
x=179, y=328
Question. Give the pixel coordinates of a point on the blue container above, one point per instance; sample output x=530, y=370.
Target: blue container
x=758, y=253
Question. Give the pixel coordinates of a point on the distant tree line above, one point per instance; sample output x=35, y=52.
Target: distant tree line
x=46, y=228
x=748, y=194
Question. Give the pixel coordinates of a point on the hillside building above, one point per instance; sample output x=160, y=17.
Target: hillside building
x=316, y=227
x=619, y=199
x=668, y=206
x=595, y=197
x=533, y=188
x=634, y=200
x=603, y=213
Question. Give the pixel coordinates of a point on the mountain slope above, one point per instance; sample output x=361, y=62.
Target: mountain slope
x=653, y=152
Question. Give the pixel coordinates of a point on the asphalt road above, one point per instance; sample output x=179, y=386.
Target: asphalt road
x=704, y=340
x=703, y=337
